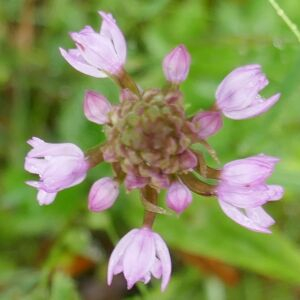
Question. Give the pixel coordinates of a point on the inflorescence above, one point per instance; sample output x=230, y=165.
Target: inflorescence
x=149, y=143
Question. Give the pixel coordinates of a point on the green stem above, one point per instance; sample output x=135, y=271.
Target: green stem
x=280, y=12
x=126, y=82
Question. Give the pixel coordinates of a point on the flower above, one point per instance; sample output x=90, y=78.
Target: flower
x=98, y=54
x=176, y=64
x=96, y=107
x=59, y=166
x=238, y=94
x=179, y=197
x=103, y=194
x=242, y=191
x=208, y=122
x=140, y=254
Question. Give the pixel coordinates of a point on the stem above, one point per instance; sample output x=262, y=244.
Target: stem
x=94, y=156
x=291, y=25
x=126, y=82
x=196, y=185
x=149, y=195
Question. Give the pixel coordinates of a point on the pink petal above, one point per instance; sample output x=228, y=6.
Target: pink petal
x=74, y=58
x=45, y=198
x=96, y=107
x=103, y=194
x=98, y=51
x=236, y=215
x=139, y=257
x=259, y=216
x=176, y=64
x=163, y=255
x=248, y=171
x=275, y=192
x=110, y=29
x=243, y=197
x=257, y=108
x=42, y=149
x=179, y=197
x=208, y=122
x=236, y=82
x=117, y=254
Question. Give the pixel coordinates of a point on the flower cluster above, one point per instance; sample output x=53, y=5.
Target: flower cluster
x=149, y=142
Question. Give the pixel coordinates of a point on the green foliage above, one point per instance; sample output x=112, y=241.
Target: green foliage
x=41, y=95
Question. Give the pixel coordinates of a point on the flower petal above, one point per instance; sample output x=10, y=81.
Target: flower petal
x=259, y=107
x=243, y=197
x=259, y=216
x=236, y=215
x=45, y=198
x=74, y=58
x=96, y=107
x=163, y=255
x=110, y=29
x=139, y=257
x=42, y=149
x=117, y=254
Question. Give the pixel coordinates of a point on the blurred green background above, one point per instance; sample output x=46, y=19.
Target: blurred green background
x=61, y=251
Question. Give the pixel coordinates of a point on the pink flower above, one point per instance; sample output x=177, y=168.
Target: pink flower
x=176, y=64
x=140, y=254
x=208, y=122
x=242, y=191
x=249, y=171
x=59, y=166
x=98, y=54
x=238, y=94
x=96, y=107
x=103, y=194
x=179, y=197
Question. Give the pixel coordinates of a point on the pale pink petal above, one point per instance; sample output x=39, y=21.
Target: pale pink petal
x=208, y=122
x=103, y=194
x=248, y=171
x=260, y=106
x=139, y=257
x=236, y=215
x=275, y=192
x=117, y=255
x=259, y=216
x=42, y=149
x=176, y=64
x=74, y=58
x=45, y=198
x=96, y=107
x=163, y=255
x=179, y=197
x=234, y=82
x=35, y=165
x=243, y=197
x=110, y=29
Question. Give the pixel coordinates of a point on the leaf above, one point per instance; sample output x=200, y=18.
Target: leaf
x=63, y=288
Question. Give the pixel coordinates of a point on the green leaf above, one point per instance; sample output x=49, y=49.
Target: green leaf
x=63, y=288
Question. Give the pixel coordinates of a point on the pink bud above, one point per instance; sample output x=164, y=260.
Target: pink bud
x=208, y=122
x=96, y=107
x=179, y=197
x=103, y=194
x=176, y=64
